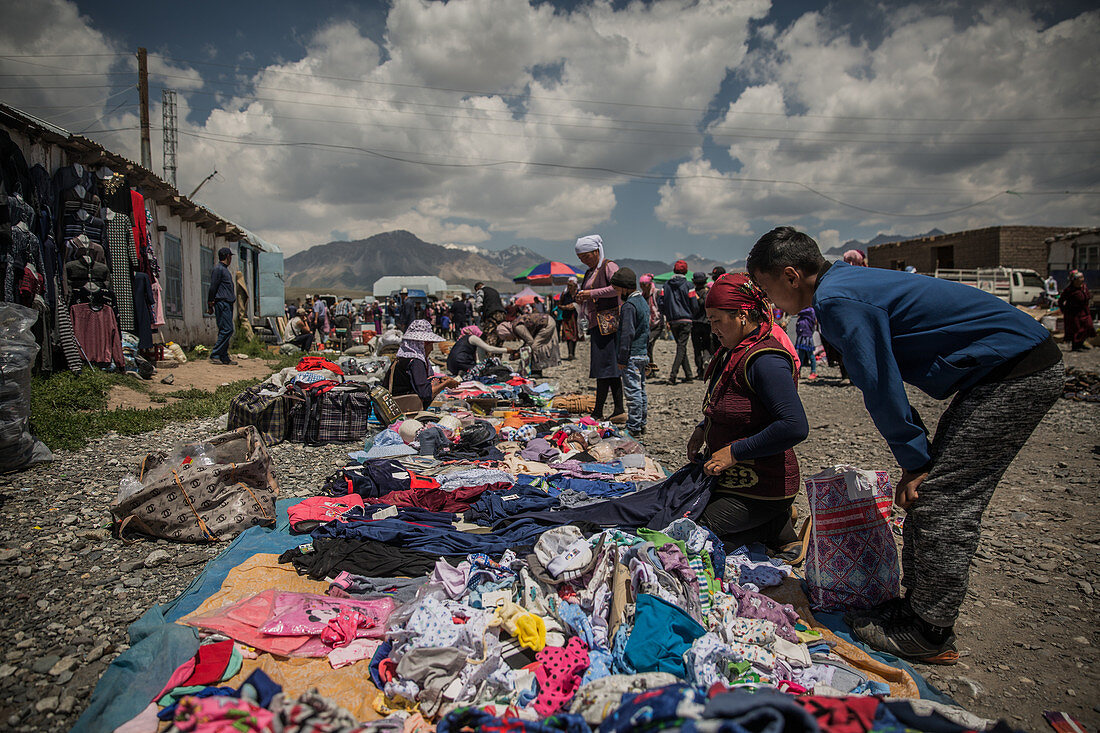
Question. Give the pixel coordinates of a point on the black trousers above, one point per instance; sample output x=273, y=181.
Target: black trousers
x=740, y=520
x=700, y=345
x=681, y=332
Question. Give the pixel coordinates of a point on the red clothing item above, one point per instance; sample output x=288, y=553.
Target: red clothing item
x=841, y=714
x=308, y=513
x=438, y=500
x=97, y=333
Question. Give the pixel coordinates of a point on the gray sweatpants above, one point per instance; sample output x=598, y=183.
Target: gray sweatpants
x=978, y=436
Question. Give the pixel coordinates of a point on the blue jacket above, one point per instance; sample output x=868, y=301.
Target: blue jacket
x=895, y=328
x=678, y=299
x=221, y=285
x=633, y=327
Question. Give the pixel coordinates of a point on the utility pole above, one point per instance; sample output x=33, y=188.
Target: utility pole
x=168, y=115
x=143, y=94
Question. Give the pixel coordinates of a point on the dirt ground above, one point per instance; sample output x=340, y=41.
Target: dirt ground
x=195, y=374
x=1027, y=631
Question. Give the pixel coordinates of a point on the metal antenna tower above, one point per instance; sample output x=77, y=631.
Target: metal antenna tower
x=171, y=134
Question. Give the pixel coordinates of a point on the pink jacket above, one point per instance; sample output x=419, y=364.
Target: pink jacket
x=599, y=282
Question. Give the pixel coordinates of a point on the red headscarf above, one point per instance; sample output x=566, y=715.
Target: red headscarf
x=736, y=291
x=680, y=268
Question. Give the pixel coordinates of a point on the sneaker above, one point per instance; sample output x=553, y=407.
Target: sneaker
x=885, y=612
x=904, y=637
x=812, y=376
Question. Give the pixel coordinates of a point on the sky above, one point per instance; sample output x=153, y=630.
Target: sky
x=668, y=127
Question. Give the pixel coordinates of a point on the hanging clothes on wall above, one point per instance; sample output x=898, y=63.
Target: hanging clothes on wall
x=114, y=191
x=21, y=260
x=97, y=333
x=143, y=310
x=158, y=305
x=141, y=232
x=122, y=259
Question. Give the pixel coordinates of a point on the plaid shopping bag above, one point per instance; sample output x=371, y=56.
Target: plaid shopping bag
x=852, y=559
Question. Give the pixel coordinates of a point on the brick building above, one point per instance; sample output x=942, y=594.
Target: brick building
x=1001, y=246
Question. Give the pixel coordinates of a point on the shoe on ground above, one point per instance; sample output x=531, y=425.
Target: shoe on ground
x=619, y=419
x=228, y=362
x=903, y=637
x=671, y=382
x=689, y=380
x=812, y=376
x=886, y=612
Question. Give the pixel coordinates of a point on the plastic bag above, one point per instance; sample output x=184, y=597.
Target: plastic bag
x=18, y=448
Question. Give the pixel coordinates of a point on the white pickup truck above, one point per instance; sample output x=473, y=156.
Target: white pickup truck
x=1016, y=286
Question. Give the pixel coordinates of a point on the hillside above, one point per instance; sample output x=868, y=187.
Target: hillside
x=877, y=239
x=357, y=264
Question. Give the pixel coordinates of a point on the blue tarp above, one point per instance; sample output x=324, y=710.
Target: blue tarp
x=158, y=646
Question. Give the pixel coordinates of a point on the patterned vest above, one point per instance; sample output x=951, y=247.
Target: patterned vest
x=733, y=412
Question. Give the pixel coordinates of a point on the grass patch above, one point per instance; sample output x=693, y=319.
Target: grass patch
x=68, y=410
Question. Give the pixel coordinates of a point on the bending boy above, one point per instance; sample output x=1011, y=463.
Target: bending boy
x=945, y=339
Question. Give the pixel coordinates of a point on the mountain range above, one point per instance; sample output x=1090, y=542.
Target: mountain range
x=355, y=265
x=840, y=249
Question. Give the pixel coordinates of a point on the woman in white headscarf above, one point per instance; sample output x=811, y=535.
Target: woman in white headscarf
x=598, y=302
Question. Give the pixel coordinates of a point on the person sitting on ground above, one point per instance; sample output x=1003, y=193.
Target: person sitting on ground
x=945, y=339
x=1074, y=302
x=410, y=372
x=632, y=343
x=538, y=332
x=753, y=418
x=468, y=351
x=297, y=332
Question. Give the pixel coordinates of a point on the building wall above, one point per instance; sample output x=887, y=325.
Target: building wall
x=194, y=327
x=1004, y=246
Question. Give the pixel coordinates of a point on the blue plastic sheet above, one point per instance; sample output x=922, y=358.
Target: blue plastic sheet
x=158, y=646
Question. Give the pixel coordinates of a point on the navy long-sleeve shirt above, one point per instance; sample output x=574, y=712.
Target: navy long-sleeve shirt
x=769, y=375
x=633, y=327
x=221, y=285
x=896, y=328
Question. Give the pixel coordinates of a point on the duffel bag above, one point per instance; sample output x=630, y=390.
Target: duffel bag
x=267, y=412
x=201, y=492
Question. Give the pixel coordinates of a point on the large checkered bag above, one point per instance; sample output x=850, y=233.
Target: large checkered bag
x=852, y=558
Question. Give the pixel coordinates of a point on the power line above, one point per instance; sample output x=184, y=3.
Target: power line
x=627, y=174
x=602, y=101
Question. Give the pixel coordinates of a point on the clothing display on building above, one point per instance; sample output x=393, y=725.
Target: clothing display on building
x=74, y=245
x=97, y=332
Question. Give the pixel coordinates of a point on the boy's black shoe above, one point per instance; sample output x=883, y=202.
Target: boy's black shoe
x=907, y=636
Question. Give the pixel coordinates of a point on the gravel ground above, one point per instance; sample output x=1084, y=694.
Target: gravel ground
x=1027, y=631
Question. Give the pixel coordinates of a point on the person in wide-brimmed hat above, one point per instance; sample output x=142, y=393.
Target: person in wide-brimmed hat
x=411, y=372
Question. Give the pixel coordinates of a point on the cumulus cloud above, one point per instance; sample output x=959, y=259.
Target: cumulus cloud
x=934, y=117
x=458, y=127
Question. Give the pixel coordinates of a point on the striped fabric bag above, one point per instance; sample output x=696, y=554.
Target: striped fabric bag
x=852, y=559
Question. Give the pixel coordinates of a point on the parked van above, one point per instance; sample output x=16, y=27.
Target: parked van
x=1013, y=285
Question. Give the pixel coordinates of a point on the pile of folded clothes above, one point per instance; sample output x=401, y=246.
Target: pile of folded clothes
x=525, y=570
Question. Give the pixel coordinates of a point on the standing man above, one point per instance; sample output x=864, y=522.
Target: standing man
x=700, y=324
x=678, y=311
x=407, y=314
x=947, y=340
x=491, y=309
x=458, y=315
x=219, y=301
x=320, y=318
